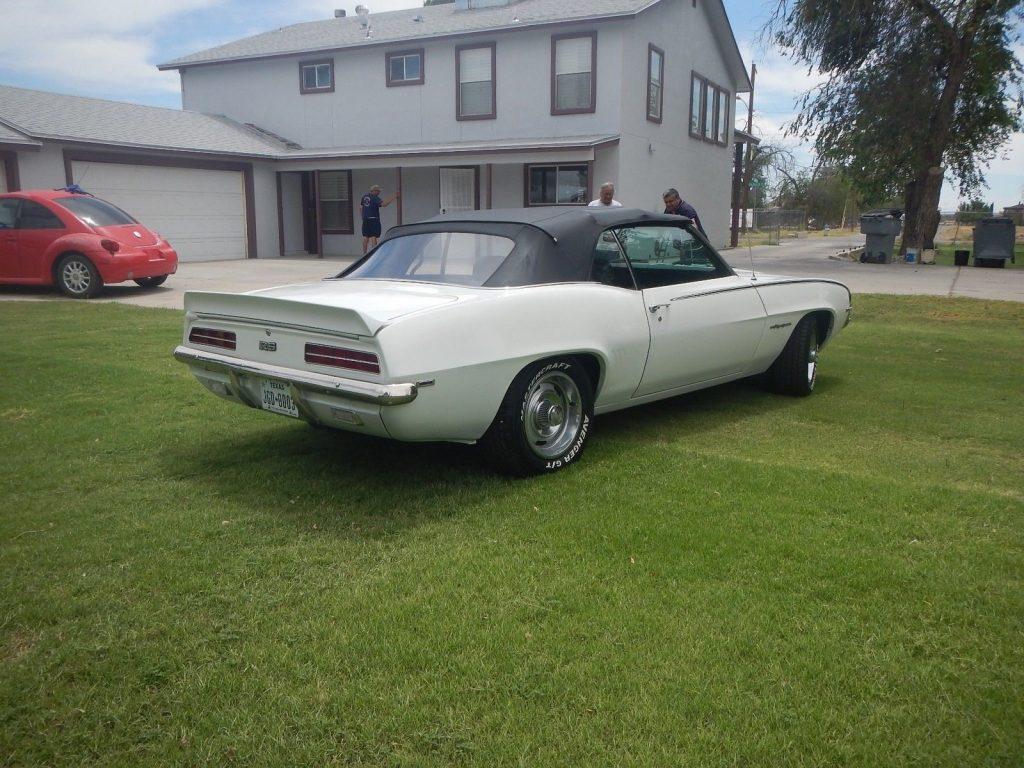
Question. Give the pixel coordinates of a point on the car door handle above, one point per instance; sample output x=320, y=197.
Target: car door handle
x=655, y=307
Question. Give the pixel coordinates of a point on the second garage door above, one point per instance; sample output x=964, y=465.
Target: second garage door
x=199, y=212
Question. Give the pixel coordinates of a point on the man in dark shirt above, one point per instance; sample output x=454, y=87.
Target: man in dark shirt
x=679, y=207
x=370, y=206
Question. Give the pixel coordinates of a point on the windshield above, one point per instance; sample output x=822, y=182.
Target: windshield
x=95, y=212
x=460, y=258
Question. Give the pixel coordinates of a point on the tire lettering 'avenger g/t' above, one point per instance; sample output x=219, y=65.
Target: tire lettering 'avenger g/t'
x=512, y=329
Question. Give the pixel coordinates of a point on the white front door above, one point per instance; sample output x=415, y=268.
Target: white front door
x=458, y=189
x=705, y=321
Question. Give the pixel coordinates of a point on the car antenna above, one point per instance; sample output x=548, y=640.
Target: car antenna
x=750, y=252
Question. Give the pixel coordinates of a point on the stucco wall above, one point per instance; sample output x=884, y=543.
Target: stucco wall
x=362, y=111
x=655, y=156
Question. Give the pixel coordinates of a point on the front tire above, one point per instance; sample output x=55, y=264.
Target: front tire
x=795, y=370
x=77, y=277
x=151, y=282
x=544, y=421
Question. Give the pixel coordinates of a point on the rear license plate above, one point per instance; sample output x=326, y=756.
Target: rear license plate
x=277, y=397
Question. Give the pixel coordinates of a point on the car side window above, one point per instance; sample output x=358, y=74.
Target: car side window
x=668, y=255
x=35, y=216
x=9, y=213
x=610, y=266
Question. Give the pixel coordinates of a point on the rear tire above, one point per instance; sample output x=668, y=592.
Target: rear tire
x=544, y=421
x=77, y=277
x=795, y=370
x=151, y=282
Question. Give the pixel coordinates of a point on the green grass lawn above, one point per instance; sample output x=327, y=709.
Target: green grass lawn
x=727, y=579
x=944, y=254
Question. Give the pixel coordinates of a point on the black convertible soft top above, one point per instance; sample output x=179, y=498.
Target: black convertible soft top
x=552, y=245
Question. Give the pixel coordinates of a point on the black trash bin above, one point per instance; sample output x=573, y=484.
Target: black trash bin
x=960, y=258
x=881, y=228
x=993, y=241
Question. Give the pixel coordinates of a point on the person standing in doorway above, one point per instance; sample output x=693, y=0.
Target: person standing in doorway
x=607, y=198
x=370, y=206
x=675, y=205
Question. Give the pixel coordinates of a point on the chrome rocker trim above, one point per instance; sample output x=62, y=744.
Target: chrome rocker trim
x=364, y=391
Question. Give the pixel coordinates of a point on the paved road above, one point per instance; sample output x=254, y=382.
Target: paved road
x=807, y=257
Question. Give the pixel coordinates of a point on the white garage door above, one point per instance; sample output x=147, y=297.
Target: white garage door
x=199, y=212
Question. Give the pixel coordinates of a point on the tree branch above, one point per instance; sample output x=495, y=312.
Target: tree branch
x=945, y=28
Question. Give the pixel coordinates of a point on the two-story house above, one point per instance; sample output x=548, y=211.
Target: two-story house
x=474, y=104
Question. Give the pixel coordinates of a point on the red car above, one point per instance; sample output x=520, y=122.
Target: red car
x=77, y=242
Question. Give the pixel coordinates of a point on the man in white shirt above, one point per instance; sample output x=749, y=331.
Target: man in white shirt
x=607, y=198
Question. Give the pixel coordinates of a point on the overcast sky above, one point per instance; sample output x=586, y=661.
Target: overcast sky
x=109, y=48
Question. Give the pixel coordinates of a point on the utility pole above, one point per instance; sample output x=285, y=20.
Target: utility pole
x=750, y=147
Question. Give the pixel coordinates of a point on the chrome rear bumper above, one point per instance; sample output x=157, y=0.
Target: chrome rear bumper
x=363, y=391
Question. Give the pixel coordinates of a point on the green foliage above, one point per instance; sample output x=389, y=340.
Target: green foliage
x=976, y=206
x=437, y=2
x=886, y=63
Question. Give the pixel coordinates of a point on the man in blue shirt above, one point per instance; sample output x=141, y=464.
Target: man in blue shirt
x=370, y=206
x=677, y=206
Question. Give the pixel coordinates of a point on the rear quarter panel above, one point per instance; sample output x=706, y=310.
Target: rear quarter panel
x=473, y=350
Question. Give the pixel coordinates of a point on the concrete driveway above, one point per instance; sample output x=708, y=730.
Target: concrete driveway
x=806, y=257
x=231, y=276
x=809, y=257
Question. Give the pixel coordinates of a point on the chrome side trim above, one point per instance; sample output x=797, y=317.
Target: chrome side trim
x=713, y=291
x=788, y=281
x=364, y=391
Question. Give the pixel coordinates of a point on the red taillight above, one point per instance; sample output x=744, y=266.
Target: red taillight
x=211, y=337
x=342, y=358
x=110, y=246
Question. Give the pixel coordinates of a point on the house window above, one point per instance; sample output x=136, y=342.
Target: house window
x=655, y=79
x=698, y=88
x=404, y=68
x=558, y=184
x=316, y=76
x=474, y=72
x=335, y=195
x=722, y=123
x=573, y=80
x=709, y=111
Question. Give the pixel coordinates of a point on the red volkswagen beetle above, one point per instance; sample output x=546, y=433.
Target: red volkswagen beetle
x=77, y=242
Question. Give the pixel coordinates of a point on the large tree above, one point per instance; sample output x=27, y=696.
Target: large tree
x=915, y=88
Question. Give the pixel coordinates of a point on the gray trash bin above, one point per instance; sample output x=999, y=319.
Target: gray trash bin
x=881, y=227
x=993, y=241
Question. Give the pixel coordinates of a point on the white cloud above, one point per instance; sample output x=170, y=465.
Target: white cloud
x=98, y=46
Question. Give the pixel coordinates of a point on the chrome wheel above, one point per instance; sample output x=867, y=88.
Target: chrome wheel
x=552, y=414
x=812, y=358
x=76, y=276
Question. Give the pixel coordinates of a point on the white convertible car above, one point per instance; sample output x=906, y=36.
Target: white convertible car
x=512, y=329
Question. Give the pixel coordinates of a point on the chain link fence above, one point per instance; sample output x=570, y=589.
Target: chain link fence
x=772, y=224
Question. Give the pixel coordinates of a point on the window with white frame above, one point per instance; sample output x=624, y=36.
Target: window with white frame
x=405, y=67
x=316, y=76
x=567, y=184
x=655, y=80
x=476, y=93
x=573, y=83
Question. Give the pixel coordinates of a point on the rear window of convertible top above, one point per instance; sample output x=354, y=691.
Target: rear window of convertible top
x=458, y=258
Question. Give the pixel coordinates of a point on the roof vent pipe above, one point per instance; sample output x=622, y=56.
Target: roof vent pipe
x=339, y=13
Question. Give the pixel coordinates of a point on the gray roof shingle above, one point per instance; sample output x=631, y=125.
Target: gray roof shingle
x=10, y=136
x=396, y=26
x=44, y=115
